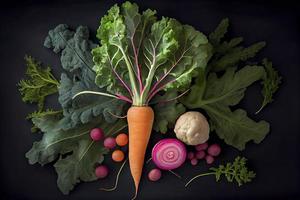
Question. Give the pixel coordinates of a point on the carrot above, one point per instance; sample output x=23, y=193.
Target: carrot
x=140, y=121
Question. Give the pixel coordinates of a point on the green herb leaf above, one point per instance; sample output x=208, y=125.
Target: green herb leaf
x=235, y=55
x=83, y=153
x=228, y=53
x=216, y=36
x=236, y=171
x=270, y=83
x=216, y=95
x=40, y=83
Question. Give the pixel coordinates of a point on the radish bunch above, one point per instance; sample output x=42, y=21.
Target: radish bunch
x=204, y=151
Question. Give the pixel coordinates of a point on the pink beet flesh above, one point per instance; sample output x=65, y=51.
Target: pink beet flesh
x=169, y=154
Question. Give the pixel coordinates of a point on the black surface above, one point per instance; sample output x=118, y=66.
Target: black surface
x=23, y=28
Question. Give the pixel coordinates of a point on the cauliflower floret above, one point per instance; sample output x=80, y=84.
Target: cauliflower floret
x=192, y=128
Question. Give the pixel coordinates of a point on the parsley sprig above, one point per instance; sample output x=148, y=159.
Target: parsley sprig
x=234, y=172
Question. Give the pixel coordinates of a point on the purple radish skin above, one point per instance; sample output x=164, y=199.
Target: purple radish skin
x=214, y=150
x=109, y=142
x=200, y=154
x=194, y=161
x=97, y=134
x=154, y=175
x=209, y=159
x=201, y=147
x=101, y=171
x=190, y=155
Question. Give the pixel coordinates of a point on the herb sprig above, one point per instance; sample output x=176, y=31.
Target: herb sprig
x=234, y=172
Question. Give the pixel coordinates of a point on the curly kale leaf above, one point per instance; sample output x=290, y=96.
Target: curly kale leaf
x=77, y=154
x=215, y=95
x=76, y=57
x=270, y=83
x=39, y=84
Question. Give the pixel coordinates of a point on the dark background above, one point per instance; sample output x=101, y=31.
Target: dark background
x=23, y=27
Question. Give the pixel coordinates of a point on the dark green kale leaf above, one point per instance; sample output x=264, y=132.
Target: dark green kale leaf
x=83, y=153
x=76, y=58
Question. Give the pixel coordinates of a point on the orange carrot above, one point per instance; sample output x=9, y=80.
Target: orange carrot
x=140, y=121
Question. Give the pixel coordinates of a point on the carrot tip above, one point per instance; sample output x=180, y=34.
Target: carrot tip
x=135, y=195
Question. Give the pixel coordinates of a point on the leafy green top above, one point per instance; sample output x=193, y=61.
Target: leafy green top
x=139, y=56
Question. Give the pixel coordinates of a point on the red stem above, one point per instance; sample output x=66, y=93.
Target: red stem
x=121, y=80
x=139, y=73
x=124, y=98
x=166, y=74
x=154, y=92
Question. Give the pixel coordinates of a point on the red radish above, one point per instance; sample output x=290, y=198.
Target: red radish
x=200, y=147
x=209, y=159
x=154, y=175
x=109, y=142
x=97, y=134
x=200, y=154
x=214, y=150
x=101, y=171
x=169, y=154
x=190, y=155
x=194, y=161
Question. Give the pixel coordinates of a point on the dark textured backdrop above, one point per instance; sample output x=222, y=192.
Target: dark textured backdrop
x=23, y=27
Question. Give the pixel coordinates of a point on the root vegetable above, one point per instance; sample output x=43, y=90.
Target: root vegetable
x=214, y=150
x=154, y=175
x=200, y=154
x=109, y=142
x=101, y=171
x=97, y=134
x=169, y=154
x=192, y=128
